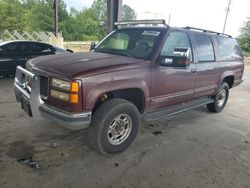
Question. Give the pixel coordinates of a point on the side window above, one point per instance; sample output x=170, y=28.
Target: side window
x=16, y=48
x=176, y=39
x=204, y=48
x=38, y=48
x=229, y=49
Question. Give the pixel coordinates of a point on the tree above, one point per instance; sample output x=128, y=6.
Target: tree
x=244, y=38
x=82, y=25
x=100, y=8
x=128, y=13
x=38, y=15
x=11, y=15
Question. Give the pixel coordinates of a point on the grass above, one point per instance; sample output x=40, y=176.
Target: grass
x=246, y=54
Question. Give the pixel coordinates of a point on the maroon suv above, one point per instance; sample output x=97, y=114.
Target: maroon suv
x=139, y=69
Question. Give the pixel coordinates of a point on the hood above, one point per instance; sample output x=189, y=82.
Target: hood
x=79, y=64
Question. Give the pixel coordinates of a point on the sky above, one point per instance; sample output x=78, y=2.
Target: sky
x=206, y=14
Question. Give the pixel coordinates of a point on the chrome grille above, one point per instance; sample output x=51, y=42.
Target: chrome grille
x=44, y=87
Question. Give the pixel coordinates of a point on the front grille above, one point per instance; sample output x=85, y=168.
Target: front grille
x=44, y=85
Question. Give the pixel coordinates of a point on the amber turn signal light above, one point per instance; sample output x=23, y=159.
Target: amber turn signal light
x=74, y=87
x=73, y=98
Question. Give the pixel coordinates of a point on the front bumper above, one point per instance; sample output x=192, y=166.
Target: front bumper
x=38, y=109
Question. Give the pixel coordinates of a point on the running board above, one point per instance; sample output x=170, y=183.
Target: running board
x=171, y=111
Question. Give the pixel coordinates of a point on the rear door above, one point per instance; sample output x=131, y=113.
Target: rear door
x=207, y=75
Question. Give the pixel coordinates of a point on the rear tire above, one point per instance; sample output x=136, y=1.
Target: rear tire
x=114, y=126
x=220, y=99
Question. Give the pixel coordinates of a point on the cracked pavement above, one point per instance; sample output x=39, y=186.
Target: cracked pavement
x=194, y=149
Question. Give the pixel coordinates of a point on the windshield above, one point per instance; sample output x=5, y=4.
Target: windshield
x=131, y=42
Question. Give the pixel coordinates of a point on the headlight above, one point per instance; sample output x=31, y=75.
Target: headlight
x=64, y=90
x=59, y=95
x=61, y=84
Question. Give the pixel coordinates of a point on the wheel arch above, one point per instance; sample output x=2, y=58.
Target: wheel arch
x=227, y=77
x=127, y=89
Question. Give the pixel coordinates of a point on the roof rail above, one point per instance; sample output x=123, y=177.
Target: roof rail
x=142, y=22
x=206, y=31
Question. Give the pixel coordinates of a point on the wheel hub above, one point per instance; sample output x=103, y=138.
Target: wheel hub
x=119, y=129
x=222, y=97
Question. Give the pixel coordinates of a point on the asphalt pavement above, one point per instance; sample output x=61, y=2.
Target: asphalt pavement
x=194, y=149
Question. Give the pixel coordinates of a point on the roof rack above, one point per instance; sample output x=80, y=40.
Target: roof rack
x=206, y=31
x=141, y=22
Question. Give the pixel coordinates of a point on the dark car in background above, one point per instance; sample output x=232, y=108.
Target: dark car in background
x=14, y=53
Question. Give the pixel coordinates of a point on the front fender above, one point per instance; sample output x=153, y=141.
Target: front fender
x=110, y=86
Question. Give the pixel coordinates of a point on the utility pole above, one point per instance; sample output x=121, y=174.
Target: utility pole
x=169, y=19
x=227, y=11
x=55, y=7
x=114, y=9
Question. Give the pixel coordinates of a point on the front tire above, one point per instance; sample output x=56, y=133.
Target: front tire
x=114, y=126
x=220, y=99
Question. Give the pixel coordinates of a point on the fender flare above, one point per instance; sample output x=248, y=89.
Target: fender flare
x=110, y=86
x=224, y=75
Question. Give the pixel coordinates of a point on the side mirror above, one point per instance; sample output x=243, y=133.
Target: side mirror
x=180, y=58
x=1, y=51
x=92, y=46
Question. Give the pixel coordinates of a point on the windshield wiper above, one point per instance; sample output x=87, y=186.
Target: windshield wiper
x=98, y=50
x=113, y=51
x=119, y=52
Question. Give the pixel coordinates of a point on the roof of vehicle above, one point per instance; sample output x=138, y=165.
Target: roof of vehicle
x=161, y=24
x=10, y=41
x=31, y=41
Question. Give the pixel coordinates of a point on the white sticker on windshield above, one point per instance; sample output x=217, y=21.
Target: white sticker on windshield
x=152, y=33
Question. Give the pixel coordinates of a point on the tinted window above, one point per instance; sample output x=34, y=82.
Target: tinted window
x=40, y=48
x=16, y=47
x=204, y=48
x=136, y=42
x=175, y=40
x=228, y=49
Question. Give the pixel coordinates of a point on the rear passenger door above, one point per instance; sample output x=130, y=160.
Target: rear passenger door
x=207, y=73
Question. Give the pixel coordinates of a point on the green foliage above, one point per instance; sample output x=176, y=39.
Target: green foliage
x=11, y=14
x=244, y=38
x=100, y=9
x=128, y=13
x=82, y=25
x=38, y=15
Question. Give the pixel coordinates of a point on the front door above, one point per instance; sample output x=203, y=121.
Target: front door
x=40, y=49
x=172, y=85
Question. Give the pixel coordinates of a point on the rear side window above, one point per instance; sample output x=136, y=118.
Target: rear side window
x=204, y=48
x=16, y=47
x=229, y=49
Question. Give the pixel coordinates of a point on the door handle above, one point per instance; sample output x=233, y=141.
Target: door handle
x=193, y=70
